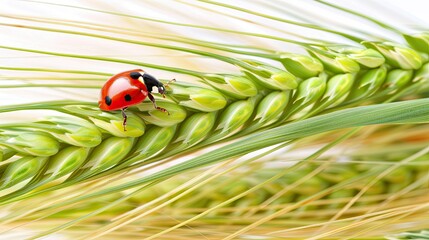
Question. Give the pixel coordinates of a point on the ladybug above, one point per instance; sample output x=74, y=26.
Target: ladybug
x=127, y=89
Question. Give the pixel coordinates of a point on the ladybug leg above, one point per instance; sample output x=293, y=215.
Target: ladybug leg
x=152, y=99
x=124, y=115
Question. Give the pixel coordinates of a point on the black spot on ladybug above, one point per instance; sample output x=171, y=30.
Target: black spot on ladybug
x=108, y=100
x=135, y=75
x=127, y=97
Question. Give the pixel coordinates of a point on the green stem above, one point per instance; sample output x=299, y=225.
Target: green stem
x=54, y=78
x=51, y=105
x=155, y=66
x=379, y=23
x=48, y=85
x=279, y=29
x=222, y=47
x=131, y=32
x=55, y=70
x=214, y=45
x=179, y=24
x=164, y=46
x=306, y=25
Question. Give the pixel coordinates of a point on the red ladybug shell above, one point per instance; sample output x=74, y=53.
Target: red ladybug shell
x=121, y=91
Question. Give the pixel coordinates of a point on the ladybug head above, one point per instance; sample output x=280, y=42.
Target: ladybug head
x=150, y=82
x=161, y=89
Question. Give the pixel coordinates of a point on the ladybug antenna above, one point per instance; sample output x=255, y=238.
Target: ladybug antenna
x=172, y=80
x=166, y=85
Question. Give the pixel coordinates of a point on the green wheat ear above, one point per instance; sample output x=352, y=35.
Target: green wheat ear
x=80, y=172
